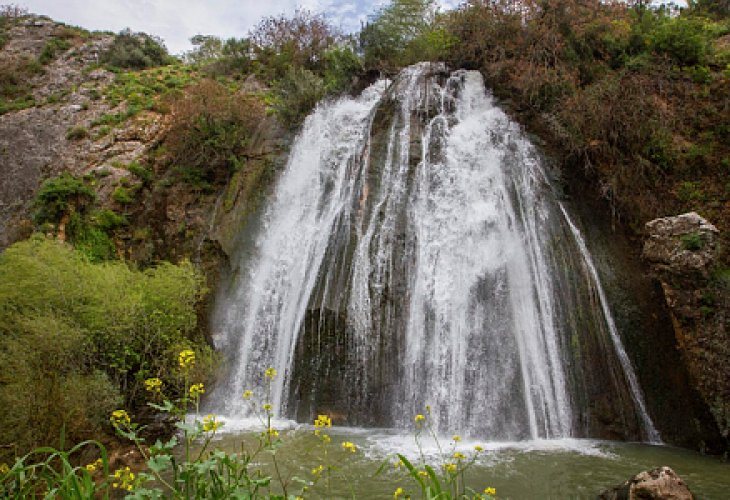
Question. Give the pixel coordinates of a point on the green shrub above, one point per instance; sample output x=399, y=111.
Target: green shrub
x=341, y=65
x=90, y=240
x=144, y=174
x=53, y=47
x=77, y=336
x=211, y=130
x=683, y=39
x=122, y=195
x=692, y=242
x=77, y=133
x=297, y=93
x=61, y=195
x=135, y=51
x=108, y=220
x=690, y=192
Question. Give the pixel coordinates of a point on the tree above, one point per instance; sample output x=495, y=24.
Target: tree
x=385, y=37
x=300, y=41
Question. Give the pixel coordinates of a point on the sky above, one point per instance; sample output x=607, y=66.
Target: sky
x=175, y=21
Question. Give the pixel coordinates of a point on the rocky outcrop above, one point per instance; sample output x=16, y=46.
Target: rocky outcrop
x=661, y=483
x=682, y=252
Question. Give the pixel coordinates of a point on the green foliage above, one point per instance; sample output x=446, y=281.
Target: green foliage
x=692, y=242
x=90, y=240
x=14, y=84
x=689, y=191
x=75, y=336
x=216, y=57
x=107, y=220
x=211, y=130
x=145, y=89
x=682, y=38
x=385, y=38
x=122, y=195
x=77, y=133
x=142, y=173
x=61, y=195
x=57, y=472
x=135, y=51
x=341, y=65
x=297, y=93
x=53, y=47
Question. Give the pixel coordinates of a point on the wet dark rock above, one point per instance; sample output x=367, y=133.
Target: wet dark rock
x=661, y=483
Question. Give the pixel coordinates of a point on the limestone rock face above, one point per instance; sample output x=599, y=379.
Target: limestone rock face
x=683, y=254
x=660, y=483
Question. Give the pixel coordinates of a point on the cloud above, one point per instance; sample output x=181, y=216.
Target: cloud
x=175, y=21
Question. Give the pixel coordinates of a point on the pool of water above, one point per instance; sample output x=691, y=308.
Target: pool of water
x=561, y=469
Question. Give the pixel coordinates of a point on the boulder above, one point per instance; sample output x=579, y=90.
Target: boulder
x=681, y=246
x=681, y=252
x=660, y=483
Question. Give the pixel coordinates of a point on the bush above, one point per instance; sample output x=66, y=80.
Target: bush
x=52, y=48
x=77, y=337
x=384, y=39
x=77, y=133
x=683, y=39
x=211, y=130
x=142, y=173
x=341, y=65
x=300, y=41
x=89, y=240
x=59, y=196
x=122, y=195
x=135, y=51
x=297, y=93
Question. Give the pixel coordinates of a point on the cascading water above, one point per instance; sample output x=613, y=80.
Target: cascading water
x=415, y=256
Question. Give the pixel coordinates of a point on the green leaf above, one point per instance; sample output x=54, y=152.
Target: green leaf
x=159, y=463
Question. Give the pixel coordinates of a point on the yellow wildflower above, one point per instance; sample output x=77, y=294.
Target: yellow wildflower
x=124, y=479
x=272, y=432
x=186, y=359
x=318, y=470
x=450, y=467
x=4, y=469
x=478, y=448
x=456, y=438
x=270, y=373
x=323, y=421
x=94, y=465
x=423, y=473
x=420, y=418
x=347, y=445
x=153, y=384
x=398, y=493
x=459, y=456
x=268, y=407
x=196, y=390
x=490, y=491
x=326, y=439
x=211, y=424
x=247, y=394
x=119, y=418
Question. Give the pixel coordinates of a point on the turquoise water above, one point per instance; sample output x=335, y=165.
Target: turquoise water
x=560, y=469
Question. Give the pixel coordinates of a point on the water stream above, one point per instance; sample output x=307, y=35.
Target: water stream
x=414, y=255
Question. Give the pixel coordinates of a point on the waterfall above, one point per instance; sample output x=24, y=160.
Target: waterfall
x=414, y=256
